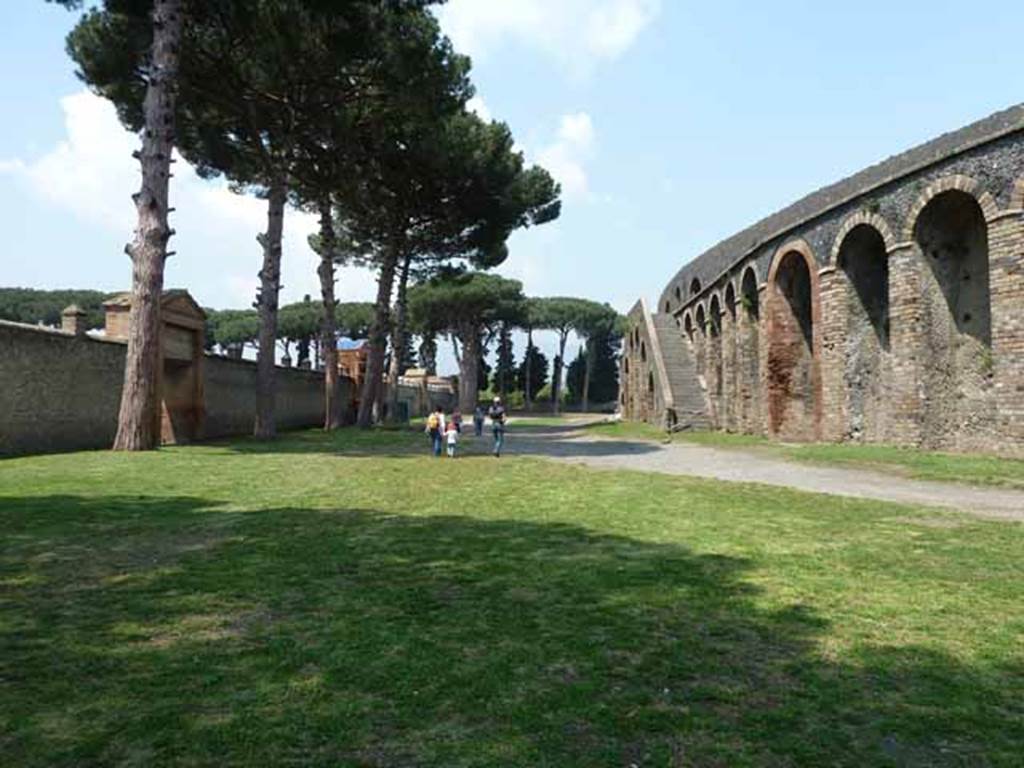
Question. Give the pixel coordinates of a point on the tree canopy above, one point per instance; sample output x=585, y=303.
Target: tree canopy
x=467, y=305
x=31, y=306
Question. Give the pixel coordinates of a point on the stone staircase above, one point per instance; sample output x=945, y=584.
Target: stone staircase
x=690, y=403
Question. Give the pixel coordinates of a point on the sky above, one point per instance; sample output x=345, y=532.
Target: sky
x=670, y=124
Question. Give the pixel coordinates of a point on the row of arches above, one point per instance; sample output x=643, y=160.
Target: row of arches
x=855, y=338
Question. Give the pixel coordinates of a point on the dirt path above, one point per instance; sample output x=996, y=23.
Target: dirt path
x=739, y=465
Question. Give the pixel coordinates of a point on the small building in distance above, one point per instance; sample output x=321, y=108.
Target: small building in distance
x=352, y=357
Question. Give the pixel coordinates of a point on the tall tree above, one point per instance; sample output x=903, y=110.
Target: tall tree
x=455, y=192
x=158, y=47
x=470, y=306
x=532, y=373
x=562, y=315
x=505, y=363
x=531, y=314
x=594, y=324
x=255, y=79
x=233, y=329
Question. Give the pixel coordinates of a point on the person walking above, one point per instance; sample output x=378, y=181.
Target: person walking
x=435, y=429
x=478, y=421
x=498, y=417
x=452, y=437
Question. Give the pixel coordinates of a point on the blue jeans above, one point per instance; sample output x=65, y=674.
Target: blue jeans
x=435, y=439
x=499, y=440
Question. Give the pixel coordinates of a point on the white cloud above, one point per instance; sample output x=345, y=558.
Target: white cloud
x=578, y=33
x=564, y=158
x=478, y=106
x=92, y=175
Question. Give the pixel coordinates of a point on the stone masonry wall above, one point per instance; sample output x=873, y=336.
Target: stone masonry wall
x=60, y=392
x=917, y=327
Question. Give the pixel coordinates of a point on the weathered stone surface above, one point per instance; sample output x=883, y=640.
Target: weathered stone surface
x=888, y=307
x=61, y=392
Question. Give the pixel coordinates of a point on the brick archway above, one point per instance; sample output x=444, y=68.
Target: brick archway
x=794, y=390
x=959, y=183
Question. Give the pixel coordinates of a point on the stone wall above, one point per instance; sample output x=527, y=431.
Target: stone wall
x=895, y=315
x=60, y=392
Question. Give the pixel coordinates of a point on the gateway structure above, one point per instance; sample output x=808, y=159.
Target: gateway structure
x=888, y=307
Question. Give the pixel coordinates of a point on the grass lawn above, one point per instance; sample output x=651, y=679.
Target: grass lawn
x=348, y=601
x=975, y=469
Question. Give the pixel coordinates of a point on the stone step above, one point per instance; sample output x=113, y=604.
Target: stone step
x=690, y=405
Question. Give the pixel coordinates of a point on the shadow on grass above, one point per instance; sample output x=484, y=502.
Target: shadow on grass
x=161, y=631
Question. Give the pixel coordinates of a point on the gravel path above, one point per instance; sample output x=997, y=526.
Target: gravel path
x=751, y=466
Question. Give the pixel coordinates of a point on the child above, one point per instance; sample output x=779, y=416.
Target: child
x=453, y=437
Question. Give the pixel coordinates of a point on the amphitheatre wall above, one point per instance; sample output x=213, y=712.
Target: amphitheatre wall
x=888, y=307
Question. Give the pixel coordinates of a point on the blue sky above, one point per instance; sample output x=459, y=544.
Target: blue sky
x=671, y=124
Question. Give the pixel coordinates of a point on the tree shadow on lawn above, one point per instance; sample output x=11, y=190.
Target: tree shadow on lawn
x=171, y=631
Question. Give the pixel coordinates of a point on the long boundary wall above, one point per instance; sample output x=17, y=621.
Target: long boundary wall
x=61, y=392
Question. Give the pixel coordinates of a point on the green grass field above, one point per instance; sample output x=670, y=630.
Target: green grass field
x=349, y=601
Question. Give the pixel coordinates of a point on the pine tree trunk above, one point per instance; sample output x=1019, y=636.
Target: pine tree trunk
x=328, y=323
x=504, y=342
x=587, y=373
x=266, y=302
x=469, y=369
x=528, y=370
x=138, y=420
x=556, y=386
x=398, y=331
x=378, y=341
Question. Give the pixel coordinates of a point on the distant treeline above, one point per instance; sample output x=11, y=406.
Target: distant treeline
x=31, y=306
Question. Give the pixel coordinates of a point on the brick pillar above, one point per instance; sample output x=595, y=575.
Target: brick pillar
x=73, y=320
x=833, y=296
x=761, y=416
x=1006, y=284
x=730, y=393
x=906, y=319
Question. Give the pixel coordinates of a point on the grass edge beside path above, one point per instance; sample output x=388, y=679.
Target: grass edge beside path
x=962, y=468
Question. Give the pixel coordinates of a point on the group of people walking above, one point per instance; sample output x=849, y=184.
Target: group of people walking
x=444, y=431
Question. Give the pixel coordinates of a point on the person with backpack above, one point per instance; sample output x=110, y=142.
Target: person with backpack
x=497, y=415
x=435, y=429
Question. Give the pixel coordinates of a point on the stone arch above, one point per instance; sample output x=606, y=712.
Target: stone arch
x=695, y=287
x=668, y=307
x=688, y=326
x=729, y=298
x=679, y=293
x=951, y=234
x=863, y=265
x=715, y=351
x=700, y=320
x=748, y=354
x=650, y=382
x=859, y=219
x=955, y=183
x=794, y=319
x=730, y=356
x=643, y=352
